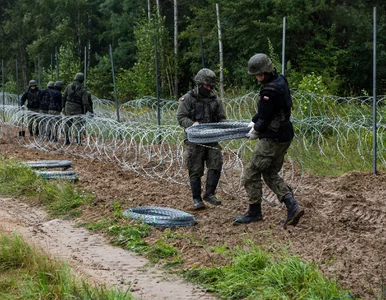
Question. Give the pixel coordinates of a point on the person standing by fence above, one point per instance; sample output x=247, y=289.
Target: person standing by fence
x=33, y=98
x=198, y=106
x=54, y=109
x=273, y=128
x=75, y=102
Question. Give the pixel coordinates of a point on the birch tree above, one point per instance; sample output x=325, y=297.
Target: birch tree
x=220, y=53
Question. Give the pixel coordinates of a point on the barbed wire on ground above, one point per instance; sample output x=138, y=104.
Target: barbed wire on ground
x=326, y=127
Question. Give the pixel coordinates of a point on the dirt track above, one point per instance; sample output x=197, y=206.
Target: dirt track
x=343, y=230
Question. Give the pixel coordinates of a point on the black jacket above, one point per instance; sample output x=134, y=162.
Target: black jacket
x=274, y=109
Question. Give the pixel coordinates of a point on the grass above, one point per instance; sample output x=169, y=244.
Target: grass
x=61, y=198
x=27, y=273
x=258, y=274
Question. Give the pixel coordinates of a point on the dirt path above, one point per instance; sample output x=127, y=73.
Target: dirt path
x=91, y=255
x=343, y=231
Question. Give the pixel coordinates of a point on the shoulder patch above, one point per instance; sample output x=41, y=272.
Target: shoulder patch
x=266, y=98
x=181, y=99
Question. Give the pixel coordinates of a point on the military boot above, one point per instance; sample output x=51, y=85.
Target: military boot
x=195, y=185
x=212, y=179
x=294, y=211
x=252, y=215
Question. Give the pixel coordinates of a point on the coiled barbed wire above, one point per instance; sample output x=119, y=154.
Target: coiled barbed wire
x=324, y=126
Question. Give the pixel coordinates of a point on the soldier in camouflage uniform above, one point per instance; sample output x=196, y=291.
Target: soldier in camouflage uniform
x=33, y=98
x=201, y=105
x=75, y=102
x=272, y=126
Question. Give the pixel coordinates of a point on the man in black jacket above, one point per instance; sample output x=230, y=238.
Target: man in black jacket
x=33, y=98
x=272, y=126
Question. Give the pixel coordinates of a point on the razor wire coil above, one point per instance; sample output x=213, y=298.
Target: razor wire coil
x=160, y=216
x=216, y=132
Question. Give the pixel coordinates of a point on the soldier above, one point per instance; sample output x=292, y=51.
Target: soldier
x=272, y=126
x=198, y=106
x=45, y=99
x=75, y=102
x=33, y=97
x=54, y=108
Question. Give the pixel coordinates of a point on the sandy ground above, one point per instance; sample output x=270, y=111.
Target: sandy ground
x=343, y=230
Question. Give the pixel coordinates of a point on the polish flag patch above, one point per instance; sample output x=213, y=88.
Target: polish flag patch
x=181, y=99
x=266, y=98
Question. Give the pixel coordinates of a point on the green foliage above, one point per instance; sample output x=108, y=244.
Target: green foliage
x=60, y=198
x=258, y=274
x=313, y=83
x=142, y=79
x=26, y=273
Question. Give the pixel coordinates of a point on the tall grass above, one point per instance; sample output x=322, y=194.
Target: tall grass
x=27, y=273
x=257, y=274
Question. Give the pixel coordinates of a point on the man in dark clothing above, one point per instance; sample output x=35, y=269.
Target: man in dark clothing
x=54, y=109
x=45, y=99
x=272, y=126
x=33, y=98
x=200, y=105
x=75, y=102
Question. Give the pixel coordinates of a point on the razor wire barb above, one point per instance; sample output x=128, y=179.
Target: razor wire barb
x=329, y=131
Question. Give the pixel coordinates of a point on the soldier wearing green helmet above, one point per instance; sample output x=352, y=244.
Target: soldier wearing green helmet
x=33, y=98
x=75, y=102
x=273, y=127
x=198, y=106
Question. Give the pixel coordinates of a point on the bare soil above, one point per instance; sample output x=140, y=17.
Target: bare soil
x=343, y=230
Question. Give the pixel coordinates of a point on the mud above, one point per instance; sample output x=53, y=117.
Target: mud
x=342, y=232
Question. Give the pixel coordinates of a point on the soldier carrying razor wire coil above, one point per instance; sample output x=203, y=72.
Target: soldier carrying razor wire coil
x=272, y=127
x=198, y=106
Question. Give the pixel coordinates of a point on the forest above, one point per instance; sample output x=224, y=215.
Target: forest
x=328, y=44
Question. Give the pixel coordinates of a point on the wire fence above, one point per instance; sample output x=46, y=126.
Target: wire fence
x=331, y=134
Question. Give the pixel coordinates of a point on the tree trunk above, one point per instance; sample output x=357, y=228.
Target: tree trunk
x=148, y=9
x=221, y=53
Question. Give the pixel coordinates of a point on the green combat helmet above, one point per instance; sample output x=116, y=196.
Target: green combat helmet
x=79, y=77
x=50, y=84
x=206, y=76
x=259, y=63
x=32, y=83
x=59, y=84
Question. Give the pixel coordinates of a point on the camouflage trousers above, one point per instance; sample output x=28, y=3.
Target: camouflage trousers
x=197, y=156
x=74, y=127
x=266, y=162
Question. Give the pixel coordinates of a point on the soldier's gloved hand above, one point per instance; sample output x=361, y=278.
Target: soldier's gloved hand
x=195, y=123
x=24, y=107
x=252, y=134
x=62, y=114
x=251, y=124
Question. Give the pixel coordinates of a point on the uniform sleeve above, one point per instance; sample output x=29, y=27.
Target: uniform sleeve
x=265, y=111
x=221, y=113
x=23, y=98
x=184, y=111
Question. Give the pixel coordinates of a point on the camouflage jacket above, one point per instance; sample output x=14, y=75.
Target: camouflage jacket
x=194, y=108
x=75, y=100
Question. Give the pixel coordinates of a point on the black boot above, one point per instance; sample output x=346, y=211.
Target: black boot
x=212, y=179
x=294, y=211
x=195, y=185
x=252, y=215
